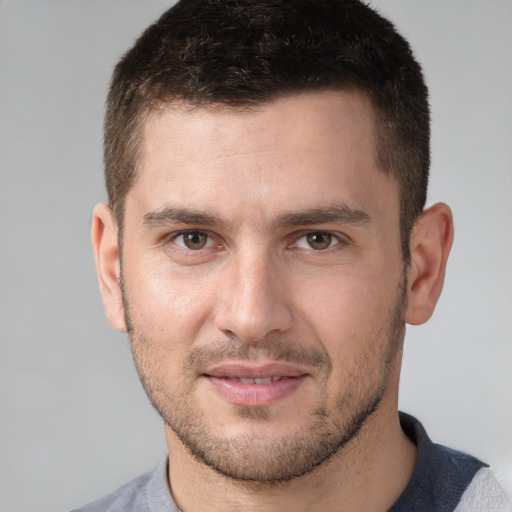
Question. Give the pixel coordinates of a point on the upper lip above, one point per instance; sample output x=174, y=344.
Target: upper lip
x=253, y=371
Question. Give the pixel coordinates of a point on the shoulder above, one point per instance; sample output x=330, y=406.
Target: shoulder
x=487, y=491
x=132, y=496
x=147, y=493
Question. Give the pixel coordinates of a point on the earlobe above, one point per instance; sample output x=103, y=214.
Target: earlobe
x=431, y=241
x=106, y=254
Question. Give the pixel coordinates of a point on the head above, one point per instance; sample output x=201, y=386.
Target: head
x=244, y=54
x=266, y=164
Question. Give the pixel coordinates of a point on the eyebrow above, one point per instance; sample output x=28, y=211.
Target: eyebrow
x=179, y=215
x=341, y=214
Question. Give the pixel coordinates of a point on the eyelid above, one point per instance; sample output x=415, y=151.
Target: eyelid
x=209, y=242
x=337, y=238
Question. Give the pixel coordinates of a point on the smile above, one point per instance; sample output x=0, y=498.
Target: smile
x=255, y=386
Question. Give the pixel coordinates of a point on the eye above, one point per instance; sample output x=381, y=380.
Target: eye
x=318, y=240
x=193, y=240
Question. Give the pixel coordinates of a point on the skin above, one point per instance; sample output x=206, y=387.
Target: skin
x=331, y=309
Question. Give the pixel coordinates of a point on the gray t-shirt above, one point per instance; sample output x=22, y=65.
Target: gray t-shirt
x=440, y=479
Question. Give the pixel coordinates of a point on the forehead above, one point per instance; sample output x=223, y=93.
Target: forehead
x=316, y=119
x=300, y=151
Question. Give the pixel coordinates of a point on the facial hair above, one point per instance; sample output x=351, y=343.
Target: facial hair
x=253, y=457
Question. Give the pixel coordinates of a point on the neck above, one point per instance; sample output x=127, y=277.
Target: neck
x=369, y=473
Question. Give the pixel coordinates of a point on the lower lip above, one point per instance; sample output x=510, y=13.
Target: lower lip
x=254, y=395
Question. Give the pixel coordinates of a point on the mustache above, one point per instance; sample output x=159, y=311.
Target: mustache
x=271, y=348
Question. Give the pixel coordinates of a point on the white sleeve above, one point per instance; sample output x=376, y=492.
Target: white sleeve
x=486, y=493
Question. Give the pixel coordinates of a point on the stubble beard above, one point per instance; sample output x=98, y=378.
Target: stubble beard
x=259, y=459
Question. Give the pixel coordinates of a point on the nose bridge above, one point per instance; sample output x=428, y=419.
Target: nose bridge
x=252, y=302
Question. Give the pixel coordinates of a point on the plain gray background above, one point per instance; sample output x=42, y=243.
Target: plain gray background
x=74, y=421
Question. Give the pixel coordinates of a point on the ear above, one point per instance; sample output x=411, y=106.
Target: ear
x=108, y=265
x=431, y=241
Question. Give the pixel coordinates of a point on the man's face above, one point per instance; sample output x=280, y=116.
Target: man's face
x=263, y=280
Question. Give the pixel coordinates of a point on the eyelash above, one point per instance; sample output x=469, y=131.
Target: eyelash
x=182, y=234
x=334, y=240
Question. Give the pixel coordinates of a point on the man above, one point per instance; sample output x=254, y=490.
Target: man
x=264, y=245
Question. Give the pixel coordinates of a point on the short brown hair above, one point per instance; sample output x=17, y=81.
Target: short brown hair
x=246, y=52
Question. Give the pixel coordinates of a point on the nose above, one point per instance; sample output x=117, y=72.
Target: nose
x=252, y=298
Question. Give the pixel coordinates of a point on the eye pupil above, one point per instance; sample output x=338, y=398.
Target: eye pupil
x=195, y=240
x=319, y=241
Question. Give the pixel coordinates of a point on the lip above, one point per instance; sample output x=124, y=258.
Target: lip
x=226, y=380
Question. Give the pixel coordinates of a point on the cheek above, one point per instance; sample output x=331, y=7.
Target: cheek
x=165, y=306
x=350, y=316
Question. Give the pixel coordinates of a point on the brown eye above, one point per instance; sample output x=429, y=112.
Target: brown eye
x=319, y=241
x=193, y=240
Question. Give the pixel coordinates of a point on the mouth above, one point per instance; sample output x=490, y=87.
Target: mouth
x=255, y=386
x=262, y=380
